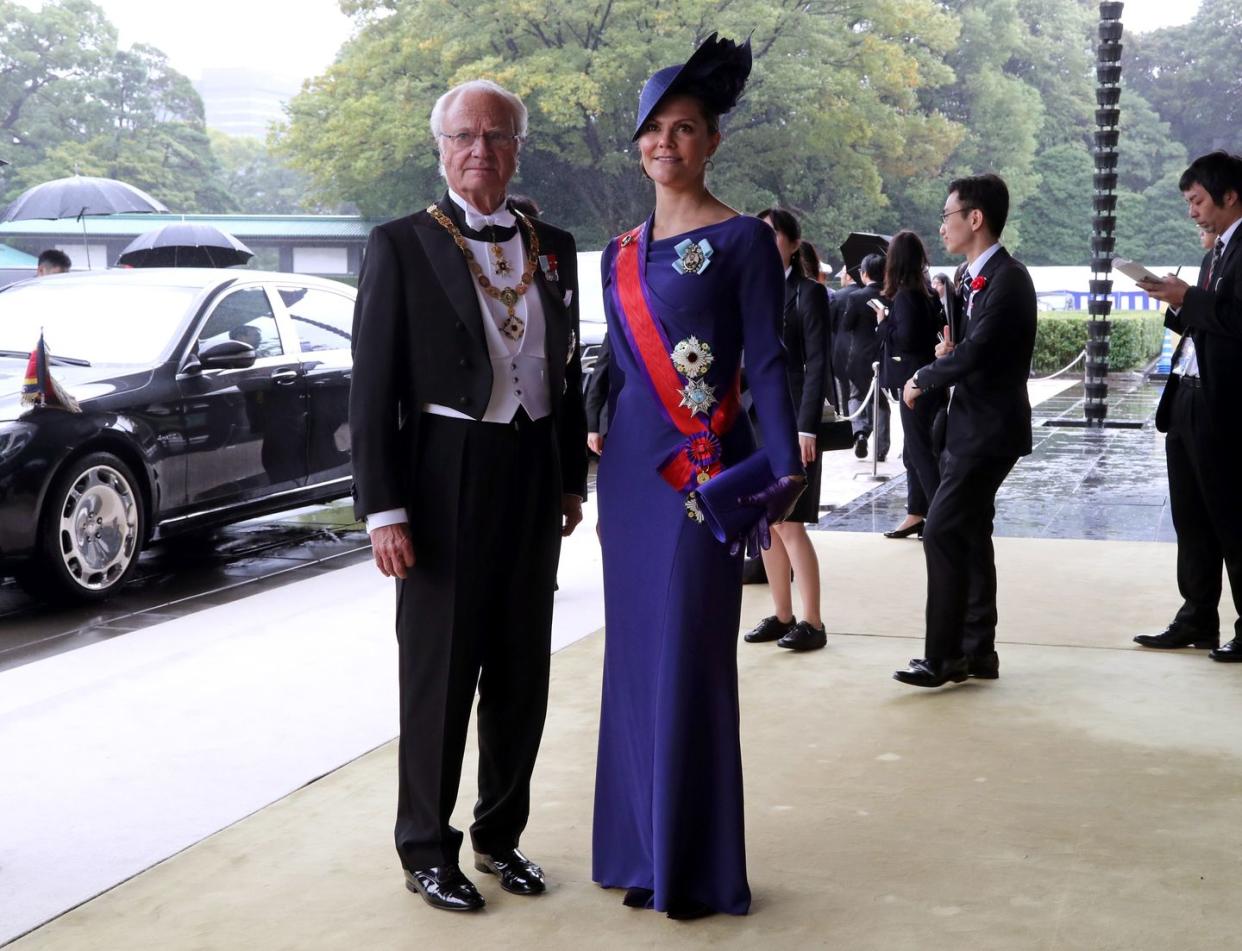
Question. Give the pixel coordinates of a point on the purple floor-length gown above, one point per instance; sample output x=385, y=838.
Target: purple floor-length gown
x=668, y=788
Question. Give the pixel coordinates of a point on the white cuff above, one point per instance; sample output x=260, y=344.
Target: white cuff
x=387, y=517
x=809, y=435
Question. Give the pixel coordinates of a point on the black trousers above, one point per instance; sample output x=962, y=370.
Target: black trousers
x=961, y=565
x=920, y=459
x=475, y=613
x=1206, y=504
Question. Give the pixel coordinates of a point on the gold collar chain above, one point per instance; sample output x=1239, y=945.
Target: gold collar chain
x=514, y=327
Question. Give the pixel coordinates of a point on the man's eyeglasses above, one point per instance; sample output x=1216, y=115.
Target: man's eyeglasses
x=500, y=141
x=955, y=211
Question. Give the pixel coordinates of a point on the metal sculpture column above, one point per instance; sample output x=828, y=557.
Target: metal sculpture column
x=1104, y=220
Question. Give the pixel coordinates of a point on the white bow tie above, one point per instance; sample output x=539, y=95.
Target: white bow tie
x=502, y=217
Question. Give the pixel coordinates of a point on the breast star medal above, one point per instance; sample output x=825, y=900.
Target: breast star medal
x=693, y=257
x=692, y=358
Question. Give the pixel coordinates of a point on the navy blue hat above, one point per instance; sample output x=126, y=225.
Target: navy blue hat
x=715, y=74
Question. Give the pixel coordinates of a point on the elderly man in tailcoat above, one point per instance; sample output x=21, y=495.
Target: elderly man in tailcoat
x=467, y=427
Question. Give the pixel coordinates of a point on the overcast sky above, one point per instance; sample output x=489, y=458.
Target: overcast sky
x=297, y=39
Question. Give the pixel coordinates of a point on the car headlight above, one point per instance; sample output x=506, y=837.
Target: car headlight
x=13, y=438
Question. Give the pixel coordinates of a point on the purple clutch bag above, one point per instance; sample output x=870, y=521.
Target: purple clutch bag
x=718, y=499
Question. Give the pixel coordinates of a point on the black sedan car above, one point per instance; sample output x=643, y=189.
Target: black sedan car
x=206, y=396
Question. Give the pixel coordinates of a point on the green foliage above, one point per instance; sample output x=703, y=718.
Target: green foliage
x=1056, y=231
x=72, y=102
x=1192, y=75
x=830, y=114
x=254, y=182
x=1134, y=339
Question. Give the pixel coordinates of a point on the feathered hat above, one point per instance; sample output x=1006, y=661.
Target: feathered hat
x=716, y=74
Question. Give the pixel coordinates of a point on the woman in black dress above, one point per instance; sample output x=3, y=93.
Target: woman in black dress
x=907, y=335
x=804, y=333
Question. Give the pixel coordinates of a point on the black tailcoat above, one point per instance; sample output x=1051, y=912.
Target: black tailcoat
x=484, y=505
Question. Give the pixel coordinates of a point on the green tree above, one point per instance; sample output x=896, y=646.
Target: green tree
x=831, y=111
x=1153, y=227
x=1192, y=75
x=256, y=182
x=1147, y=151
x=73, y=102
x=1056, y=220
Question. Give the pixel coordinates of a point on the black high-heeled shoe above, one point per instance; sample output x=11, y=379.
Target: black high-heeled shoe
x=915, y=529
x=637, y=897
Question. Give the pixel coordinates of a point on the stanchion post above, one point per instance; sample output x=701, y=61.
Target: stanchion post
x=876, y=396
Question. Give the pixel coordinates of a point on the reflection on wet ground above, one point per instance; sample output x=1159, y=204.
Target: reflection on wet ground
x=185, y=575
x=1077, y=483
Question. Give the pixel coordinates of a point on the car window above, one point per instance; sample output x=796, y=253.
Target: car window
x=323, y=320
x=244, y=315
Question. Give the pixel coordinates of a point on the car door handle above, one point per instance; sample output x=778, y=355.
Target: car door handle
x=285, y=377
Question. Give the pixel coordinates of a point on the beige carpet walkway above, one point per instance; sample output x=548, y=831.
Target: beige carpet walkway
x=1087, y=800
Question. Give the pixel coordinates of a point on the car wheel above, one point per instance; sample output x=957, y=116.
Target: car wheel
x=90, y=531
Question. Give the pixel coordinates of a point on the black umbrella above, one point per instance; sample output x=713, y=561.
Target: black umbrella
x=857, y=245
x=77, y=197
x=185, y=244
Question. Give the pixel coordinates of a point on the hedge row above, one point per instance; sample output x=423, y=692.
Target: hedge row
x=1061, y=335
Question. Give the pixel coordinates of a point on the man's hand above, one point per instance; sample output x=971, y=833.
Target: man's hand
x=595, y=442
x=910, y=393
x=810, y=448
x=393, y=549
x=1170, y=289
x=945, y=346
x=571, y=508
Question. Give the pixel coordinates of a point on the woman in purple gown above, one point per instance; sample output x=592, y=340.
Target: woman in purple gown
x=684, y=293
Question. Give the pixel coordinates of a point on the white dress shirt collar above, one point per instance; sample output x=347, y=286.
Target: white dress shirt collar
x=975, y=268
x=502, y=217
x=1224, y=238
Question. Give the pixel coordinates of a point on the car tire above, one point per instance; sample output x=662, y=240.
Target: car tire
x=90, y=531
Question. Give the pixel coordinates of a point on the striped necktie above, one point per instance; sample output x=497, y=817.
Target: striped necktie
x=1217, y=250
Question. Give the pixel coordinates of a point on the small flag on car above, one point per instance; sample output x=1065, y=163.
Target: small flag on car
x=39, y=388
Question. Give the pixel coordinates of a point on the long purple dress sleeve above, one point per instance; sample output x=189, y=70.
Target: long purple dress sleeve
x=668, y=799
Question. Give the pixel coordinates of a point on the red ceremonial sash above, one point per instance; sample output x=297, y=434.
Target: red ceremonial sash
x=698, y=458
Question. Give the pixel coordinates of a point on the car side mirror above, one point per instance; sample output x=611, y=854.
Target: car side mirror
x=228, y=355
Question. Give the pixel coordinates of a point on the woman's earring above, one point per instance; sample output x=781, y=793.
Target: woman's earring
x=709, y=166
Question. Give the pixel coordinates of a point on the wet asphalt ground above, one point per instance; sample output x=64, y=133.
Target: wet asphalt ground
x=1100, y=484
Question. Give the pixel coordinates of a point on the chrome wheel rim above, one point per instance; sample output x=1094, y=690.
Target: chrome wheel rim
x=98, y=528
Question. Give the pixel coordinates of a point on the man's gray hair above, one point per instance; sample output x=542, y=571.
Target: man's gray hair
x=516, y=107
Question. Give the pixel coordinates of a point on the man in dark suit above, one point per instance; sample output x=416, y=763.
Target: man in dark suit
x=467, y=437
x=988, y=428
x=596, y=398
x=858, y=323
x=839, y=343
x=1197, y=414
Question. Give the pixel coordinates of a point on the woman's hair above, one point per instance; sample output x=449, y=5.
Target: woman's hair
x=943, y=279
x=783, y=221
x=811, y=265
x=906, y=265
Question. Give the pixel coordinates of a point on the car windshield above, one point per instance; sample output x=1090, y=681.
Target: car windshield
x=101, y=323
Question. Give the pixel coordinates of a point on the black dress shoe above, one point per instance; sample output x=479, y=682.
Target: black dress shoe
x=934, y=673
x=983, y=666
x=769, y=629
x=1174, y=637
x=445, y=887
x=1229, y=653
x=803, y=637
x=689, y=910
x=637, y=897
x=881, y=457
x=915, y=529
x=517, y=874
x=860, y=445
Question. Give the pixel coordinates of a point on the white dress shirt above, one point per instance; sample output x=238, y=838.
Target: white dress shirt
x=1187, y=359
